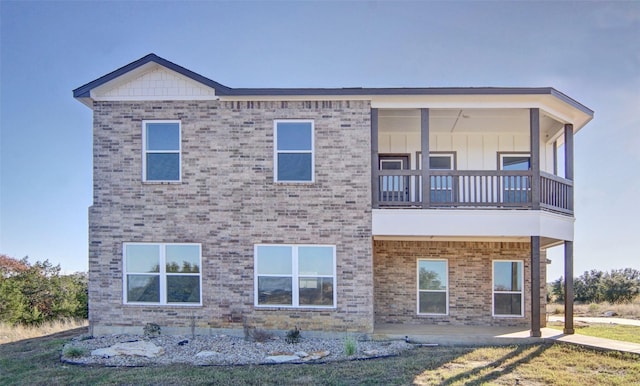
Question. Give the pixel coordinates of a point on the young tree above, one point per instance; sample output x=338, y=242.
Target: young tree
x=587, y=288
x=35, y=293
x=621, y=285
x=557, y=289
x=617, y=286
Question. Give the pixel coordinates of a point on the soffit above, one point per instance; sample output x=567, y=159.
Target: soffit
x=470, y=121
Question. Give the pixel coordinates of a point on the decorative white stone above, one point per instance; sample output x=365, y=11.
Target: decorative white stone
x=104, y=352
x=315, y=355
x=371, y=353
x=139, y=348
x=282, y=358
x=207, y=354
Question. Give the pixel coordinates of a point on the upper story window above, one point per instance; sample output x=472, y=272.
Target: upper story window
x=516, y=188
x=515, y=161
x=293, y=151
x=295, y=276
x=161, y=159
x=162, y=274
x=442, y=189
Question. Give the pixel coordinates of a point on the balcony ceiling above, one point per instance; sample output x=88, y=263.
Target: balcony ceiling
x=464, y=121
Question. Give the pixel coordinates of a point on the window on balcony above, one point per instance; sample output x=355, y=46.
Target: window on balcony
x=515, y=188
x=162, y=274
x=508, y=283
x=394, y=188
x=293, y=155
x=295, y=276
x=441, y=185
x=433, y=287
x=161, y=151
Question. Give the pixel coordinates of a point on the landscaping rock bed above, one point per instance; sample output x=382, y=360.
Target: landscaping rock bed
x=135, y=350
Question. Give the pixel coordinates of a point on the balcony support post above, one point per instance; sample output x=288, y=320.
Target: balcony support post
x=568, y=287
x=568, y=245
x=534, y=125
x=568, y=158
x=424, y=167
x=535, y=287
x=375, y=169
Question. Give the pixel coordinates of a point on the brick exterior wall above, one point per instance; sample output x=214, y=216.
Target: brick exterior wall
x=227, y=201
x=470, y=281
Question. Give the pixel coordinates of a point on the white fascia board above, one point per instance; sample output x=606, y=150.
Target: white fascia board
x=471, y=223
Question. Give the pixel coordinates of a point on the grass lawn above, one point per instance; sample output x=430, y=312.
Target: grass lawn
x=37, y=361
x=616, y=332
x=629, y=310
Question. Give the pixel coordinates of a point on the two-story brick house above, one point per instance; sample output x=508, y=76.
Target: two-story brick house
x=217, y=206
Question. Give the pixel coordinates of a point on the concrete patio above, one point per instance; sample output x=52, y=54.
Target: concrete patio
x=456, y=335
x=488, y=336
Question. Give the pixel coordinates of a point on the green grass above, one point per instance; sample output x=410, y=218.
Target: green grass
x=609, y=331
x=37, y=362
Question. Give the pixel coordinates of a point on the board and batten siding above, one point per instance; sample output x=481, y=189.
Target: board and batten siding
x=473, y=151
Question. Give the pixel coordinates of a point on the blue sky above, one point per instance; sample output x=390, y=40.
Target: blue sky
x=588, y=50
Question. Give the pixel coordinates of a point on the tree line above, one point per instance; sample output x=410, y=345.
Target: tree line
x=31, y=294
x=616, y=286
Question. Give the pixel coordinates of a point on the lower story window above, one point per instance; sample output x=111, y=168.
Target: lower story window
x=162, y=274
x=433, y=287
x=508, y=299
x=295, y=275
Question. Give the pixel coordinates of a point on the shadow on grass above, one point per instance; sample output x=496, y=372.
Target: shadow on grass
x=512, y=360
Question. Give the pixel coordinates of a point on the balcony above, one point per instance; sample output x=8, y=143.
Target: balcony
x=473, y=189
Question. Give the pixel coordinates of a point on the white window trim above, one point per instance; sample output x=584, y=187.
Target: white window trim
x=145, y=151
x=503, y=155
x=276, y=151
x=294, y=277
x=418, y=290
x=493, y=291
x=449, y=154
x=162, y=274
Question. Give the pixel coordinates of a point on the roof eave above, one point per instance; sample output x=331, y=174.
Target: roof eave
x=83, y=93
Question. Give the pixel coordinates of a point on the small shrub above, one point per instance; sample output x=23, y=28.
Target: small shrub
x=73, y=352
x=350, y=346
x=593, y=308
x=151, y=330
x=293, y=336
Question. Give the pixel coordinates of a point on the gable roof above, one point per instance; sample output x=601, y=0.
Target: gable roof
x=84, y=92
